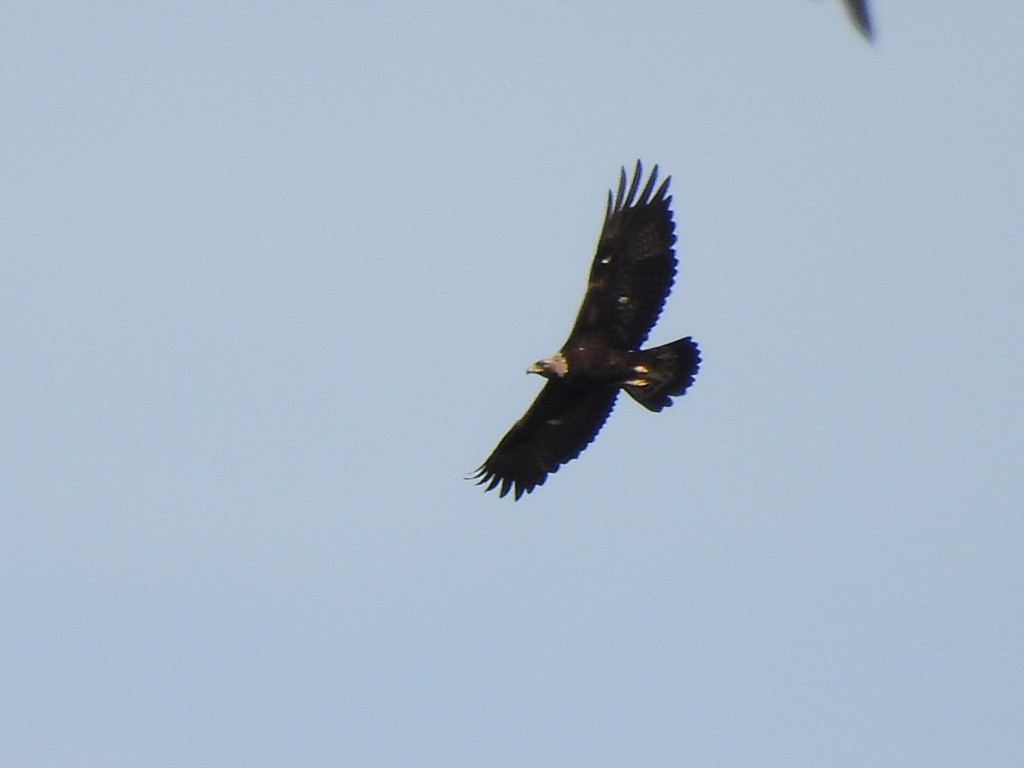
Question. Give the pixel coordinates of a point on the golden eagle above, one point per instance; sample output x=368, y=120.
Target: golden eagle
x=632, y=273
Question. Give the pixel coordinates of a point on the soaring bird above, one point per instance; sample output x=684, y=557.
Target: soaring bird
x=630, y=278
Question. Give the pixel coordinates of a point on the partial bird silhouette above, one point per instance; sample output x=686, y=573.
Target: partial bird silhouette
x=858, y=10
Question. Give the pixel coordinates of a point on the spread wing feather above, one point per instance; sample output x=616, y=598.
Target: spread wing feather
x=562, y=421
x=858, y=10
x=634, y=266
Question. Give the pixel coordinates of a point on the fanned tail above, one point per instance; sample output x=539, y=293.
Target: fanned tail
x=663, y=373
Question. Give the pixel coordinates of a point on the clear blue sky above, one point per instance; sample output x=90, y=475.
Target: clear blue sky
x=270, y=278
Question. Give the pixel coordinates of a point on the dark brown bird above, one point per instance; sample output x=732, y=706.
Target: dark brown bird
x=631, y=276
x=858, y=10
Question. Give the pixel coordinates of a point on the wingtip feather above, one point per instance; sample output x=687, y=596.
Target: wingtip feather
x=634, y=185
x=629, y=194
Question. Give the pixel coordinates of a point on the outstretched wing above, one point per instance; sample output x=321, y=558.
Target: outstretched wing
x=858, y=10
x=562, y=421
x=633, y=268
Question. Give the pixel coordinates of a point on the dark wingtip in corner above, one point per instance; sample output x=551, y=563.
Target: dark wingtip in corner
x=859, y=14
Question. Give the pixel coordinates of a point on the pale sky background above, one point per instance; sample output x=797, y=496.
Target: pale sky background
x=271, y=276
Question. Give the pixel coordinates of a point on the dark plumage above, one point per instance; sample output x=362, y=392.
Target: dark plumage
x=858, y=10
x=631, y=276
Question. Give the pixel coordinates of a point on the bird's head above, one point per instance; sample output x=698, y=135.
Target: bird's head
x=554, y=367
